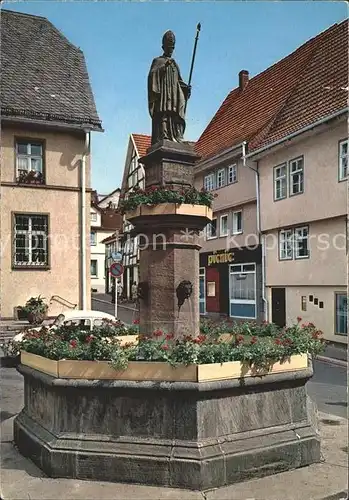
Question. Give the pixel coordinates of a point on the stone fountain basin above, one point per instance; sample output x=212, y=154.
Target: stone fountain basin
x=185, y=433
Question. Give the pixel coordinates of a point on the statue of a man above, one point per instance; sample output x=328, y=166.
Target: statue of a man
x=167, y=95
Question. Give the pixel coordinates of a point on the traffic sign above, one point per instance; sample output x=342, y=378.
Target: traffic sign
x=117, y=256
x=116, y=269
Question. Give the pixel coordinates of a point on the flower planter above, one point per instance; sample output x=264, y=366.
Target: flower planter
x=170, y=209
x=127, y=339
x=157, y=371
x=36, y=318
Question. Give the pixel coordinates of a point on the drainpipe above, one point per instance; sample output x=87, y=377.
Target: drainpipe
x=83, y=221
x=261, y=240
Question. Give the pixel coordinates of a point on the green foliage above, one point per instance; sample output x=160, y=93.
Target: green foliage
x=155, y=195
x=258, y=346
x=35, y=305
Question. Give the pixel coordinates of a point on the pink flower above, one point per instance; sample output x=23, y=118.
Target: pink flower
x=89, y=338
x=158, y=333
x=164, y=347
x=136, y=322
x=299, y=319
x=73, y=343
x=169, y=336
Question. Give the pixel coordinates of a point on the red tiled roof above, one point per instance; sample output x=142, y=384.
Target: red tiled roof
x=143, y=142
x=110, y=238
x=298, y=90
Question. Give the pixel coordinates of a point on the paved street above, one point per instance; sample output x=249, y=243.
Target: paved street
x=328, y=387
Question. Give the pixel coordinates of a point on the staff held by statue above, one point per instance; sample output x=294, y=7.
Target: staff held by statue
x=198, y=29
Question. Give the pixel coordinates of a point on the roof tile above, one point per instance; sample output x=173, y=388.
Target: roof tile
x=43, y=75
x=284, y=97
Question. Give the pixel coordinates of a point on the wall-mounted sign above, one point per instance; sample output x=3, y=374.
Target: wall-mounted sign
x=211, y=289
x=220, y=258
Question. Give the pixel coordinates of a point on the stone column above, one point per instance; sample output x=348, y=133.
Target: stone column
x=169, y=243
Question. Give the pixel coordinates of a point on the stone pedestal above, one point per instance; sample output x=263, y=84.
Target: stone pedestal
x=169, y=244
x=178, y=434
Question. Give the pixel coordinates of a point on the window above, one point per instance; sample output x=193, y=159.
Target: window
x=221, y=177
x=296, y=176
x=93, y=217
x=209, y=183
x=286, y=244
x=212, y=229
x=242, y=291
x=223, y=230
x=237, y=222
x=301, y=243
x=232, y=174
x=341, y=311
x=303, y=303
x=29, y=157
x=30, y=240
x=294, y=243
x=93, y=238
x=343, y=160
x=280, y=182
x=93, y=269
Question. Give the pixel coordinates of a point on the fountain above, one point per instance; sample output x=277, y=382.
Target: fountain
x=152, y=427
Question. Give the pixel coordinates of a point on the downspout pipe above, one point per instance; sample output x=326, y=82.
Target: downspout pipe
x=83, y=221
x=261, y=240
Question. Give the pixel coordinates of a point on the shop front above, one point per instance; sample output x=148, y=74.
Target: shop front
x=231, y=283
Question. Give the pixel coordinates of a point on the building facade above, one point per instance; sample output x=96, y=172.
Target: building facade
x=105, y=220
x=230, y=258
x=302, y=165
x=277, y=162
x=45, y=155
x=133, y=176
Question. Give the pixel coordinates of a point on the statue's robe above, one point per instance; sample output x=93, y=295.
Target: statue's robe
x=167, y=95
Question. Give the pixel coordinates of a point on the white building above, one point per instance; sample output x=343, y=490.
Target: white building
x=104, y=222
x=133, y=176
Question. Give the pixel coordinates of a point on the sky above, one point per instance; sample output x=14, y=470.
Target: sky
x=120, y=39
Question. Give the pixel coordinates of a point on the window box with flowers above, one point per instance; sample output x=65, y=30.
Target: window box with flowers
x=159, y=200
x=30, y=177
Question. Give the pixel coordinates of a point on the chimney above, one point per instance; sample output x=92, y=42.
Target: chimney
x=243, y=79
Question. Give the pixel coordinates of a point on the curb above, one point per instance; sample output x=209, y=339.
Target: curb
x=332, y=361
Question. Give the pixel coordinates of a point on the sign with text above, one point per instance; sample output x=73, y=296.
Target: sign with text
x=220, y=258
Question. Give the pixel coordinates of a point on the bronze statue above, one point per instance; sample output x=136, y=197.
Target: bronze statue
x=167, y=95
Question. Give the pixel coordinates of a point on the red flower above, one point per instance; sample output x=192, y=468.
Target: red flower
x=169, y=336
x=158, y=333
x=240, y=338
x=278, y=342
x=299, y=319
x=253, y=340
x=164, y=347
x=89, y=338
x=73, y=343
x=136, y=321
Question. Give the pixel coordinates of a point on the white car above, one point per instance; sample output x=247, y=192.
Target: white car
x=85, y=319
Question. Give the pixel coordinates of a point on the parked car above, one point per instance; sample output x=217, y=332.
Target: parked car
x=84, y=319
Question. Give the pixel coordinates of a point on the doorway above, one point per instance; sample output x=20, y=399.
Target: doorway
x=278, y=306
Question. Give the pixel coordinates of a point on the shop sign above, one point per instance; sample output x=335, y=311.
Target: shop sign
x=220, y=258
